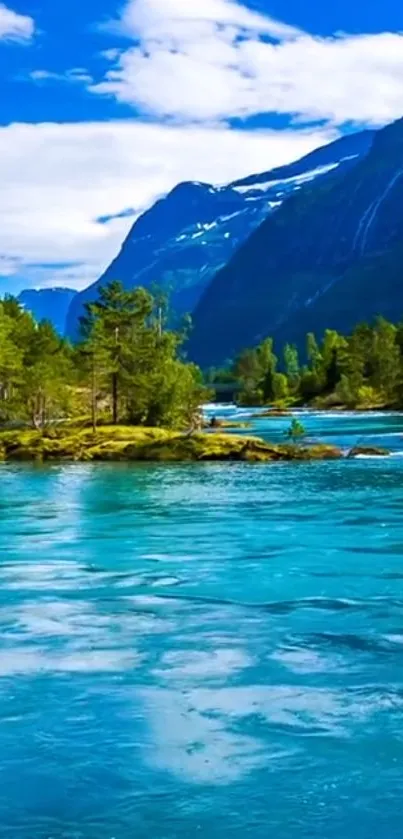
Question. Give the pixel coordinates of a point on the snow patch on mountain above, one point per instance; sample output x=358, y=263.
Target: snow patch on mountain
x=295, y=180
x=186, y=237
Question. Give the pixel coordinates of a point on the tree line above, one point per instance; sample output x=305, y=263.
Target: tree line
x=126, y=366
x=364, y=369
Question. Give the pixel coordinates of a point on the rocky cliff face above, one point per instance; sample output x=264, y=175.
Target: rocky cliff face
x=48, y=304
x=330, y=256
x=187, y=237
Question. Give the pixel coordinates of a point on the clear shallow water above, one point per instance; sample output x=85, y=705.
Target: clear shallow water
x=203, y=649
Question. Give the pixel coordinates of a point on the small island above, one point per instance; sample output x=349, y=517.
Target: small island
x=121, y=443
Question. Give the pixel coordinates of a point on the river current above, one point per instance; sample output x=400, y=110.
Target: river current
x=205, y=649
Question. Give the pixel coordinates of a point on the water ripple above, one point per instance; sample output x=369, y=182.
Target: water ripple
x=185, y=645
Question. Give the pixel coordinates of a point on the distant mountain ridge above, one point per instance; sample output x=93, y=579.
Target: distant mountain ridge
x=192, y=233
x=331, y=256
x=48, y=304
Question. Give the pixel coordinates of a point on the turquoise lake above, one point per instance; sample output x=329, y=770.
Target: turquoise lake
x=205, y=649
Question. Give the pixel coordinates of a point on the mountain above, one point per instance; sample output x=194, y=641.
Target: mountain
x=188, y=236
x=48, y=304
x=331, y=256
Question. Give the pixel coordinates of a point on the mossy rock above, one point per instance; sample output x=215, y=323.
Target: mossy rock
x=273, y=413
x=368, y=451
x=227, y=425
x=319, y=451
x=256, y=451
x=150, y=444
x=231, y=447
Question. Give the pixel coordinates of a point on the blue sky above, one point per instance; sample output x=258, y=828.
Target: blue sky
x=106, y=105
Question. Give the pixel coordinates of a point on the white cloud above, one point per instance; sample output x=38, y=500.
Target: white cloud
x=77, y=74
x=198, y=63
x=209, y=60
x=42, y=75
x=155, y=17
x=8, y=266
x=15, y=27
x=58, y=179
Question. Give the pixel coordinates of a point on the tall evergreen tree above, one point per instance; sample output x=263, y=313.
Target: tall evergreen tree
x=292, y=365
x=125, y=337
x=385, y=358
x=268, y=364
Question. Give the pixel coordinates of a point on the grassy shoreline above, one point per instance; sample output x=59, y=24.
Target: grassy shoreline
x=131, y=444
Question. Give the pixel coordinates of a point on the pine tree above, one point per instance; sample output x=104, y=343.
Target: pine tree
x=46, y=389
x=333, y=354
x=313, y=352
x=11, y=361
x=125, y=337
x=292, y=366
x=267, y=361
x=109, y=325
x=386, y=359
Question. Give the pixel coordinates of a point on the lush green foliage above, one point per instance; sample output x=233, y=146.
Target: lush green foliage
x=296, y=431
x=364, y=369
x=36, y=369
x=127, y=366
x=130, y=353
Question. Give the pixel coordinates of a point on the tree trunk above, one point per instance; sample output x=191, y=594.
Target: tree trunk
x=43, y=412
x=115, y=416
x=115, y=383
x=94, y=398
x=35, y=413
